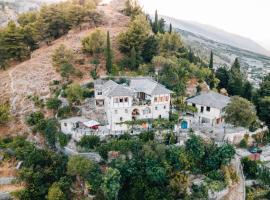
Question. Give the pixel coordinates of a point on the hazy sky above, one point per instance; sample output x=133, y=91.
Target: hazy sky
x=250, y=18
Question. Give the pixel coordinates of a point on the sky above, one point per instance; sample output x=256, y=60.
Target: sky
x=249, y=18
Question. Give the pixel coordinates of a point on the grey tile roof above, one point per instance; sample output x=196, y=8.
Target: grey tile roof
x=148, y=86
x=120, y=90
x=210, y=99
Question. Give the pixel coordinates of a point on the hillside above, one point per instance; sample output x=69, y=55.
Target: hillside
x=253, y=64
x=218, y=35
x=10, y=9
x=226, y=47
x=33, y=77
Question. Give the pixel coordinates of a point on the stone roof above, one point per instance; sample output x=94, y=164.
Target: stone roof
x=148, y=86
x=210, y=99
x=120, y=90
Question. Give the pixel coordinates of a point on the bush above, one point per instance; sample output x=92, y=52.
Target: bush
x=63, y=139
x=147, y=136
x=94, y=74
x=243, y=143
x=53, y=103
x=64, y=112
x=95, y=42
x=216, y=175
x=4, y=113
x=88, y=94
x=34, y=118
x=89, y=142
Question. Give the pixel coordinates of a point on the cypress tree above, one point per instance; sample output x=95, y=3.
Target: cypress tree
x=211, y=63
x=170, y=28
x=155, y=25
x=108, y=54
x=133, y=60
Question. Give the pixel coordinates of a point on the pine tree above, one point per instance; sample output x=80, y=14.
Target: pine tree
x=170, y=28
x=108, y=54
x=211, y=63
x=236, y=80
x=133, y=59
x=156, y=23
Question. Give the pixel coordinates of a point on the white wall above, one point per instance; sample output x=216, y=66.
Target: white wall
x=213, y=114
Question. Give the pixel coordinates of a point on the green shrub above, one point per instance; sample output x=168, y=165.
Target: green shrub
x=4, y=113
x=53, y=103
x=89, y=142
x=63, y=139
x=147, y=136
x=216, y=175
x=243, y=143
x=88, y=93
x=64, y=112
x=34, y=118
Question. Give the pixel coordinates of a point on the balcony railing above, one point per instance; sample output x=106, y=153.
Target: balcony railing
x=138, y=102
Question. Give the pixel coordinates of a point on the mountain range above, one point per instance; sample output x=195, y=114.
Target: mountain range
x=218, y=35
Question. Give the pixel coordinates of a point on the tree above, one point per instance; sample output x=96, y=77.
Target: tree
x=211, y=62
x=264, y=109
x=89, y=142
x=108, y=54
x=169, y=44
x=79, y=166
x=262, y=100
x=170, y=28
x=223, y=76
x=236, y=79
x=240, y=112
x=155, y=25
x=55, y=193
x=247, y=91
x=4, y=113
x=195, y=148
x=150, y=49
x=179, y=184
x=133, y=59
x=132, y=8
x=62, y=55
x=53, y=103
x=138, y=32
x=111, y=183
x=74, y=93
x=66, y=70
x=95, y=42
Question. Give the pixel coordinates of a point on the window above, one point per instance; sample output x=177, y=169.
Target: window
x=208, y=109
x=146, y=111
x=194, y=105
x=126, y=110
x=126, y=99
x=99, y=93
x=121, y=100
x=115, y=100
x=115, y=111
x=156, y=108
x=65, y=124
x=121, y=119
x=155, y=99
x=164, y=107
x=202, y=109
x=159, y=116
x=167, y=98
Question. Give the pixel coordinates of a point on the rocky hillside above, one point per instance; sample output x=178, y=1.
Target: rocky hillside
x=33, y=77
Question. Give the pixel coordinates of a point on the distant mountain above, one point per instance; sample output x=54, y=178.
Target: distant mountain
x=217, y=35
x=10, y=9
